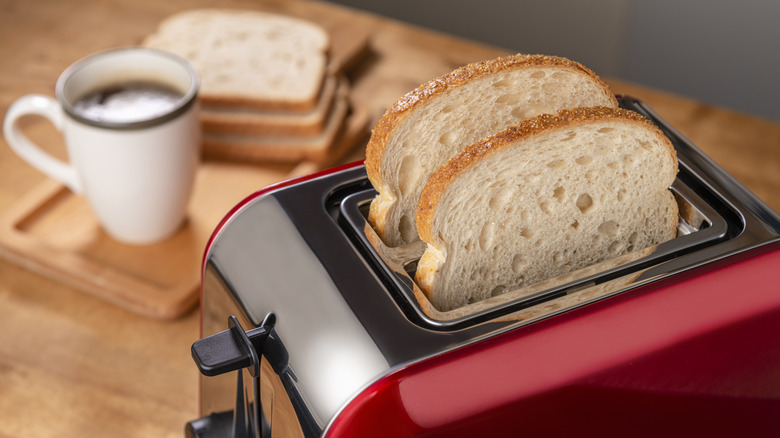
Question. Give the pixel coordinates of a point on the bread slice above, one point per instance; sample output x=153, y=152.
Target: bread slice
x=434, y=122
x=249, y=58
x=247, y=121
x=280, y=148
x=547, y=196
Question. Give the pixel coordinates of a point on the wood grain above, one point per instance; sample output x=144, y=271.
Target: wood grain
x=74, y=365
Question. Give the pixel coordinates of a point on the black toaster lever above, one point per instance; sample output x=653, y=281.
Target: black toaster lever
x=232, y=349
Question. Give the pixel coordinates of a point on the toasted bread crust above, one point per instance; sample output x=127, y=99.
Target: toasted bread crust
x=441, y=178
x=403, y=107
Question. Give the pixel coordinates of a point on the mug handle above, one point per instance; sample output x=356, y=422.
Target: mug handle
x=50, y=109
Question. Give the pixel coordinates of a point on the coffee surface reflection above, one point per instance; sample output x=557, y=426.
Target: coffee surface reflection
x=127, y=102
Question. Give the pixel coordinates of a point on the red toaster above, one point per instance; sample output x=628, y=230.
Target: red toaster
x=311, y=327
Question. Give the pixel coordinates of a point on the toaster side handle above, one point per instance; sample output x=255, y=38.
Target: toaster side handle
x=232, y=349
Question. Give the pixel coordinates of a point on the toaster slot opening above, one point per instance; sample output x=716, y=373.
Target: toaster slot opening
x=718, y=218
x=410, y=267
x=699, y=225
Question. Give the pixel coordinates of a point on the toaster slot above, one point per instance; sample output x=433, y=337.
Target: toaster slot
x=718, y=218
x=699, y=225
x=709, y=214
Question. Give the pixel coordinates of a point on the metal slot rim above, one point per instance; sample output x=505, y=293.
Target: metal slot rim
x=716, y=230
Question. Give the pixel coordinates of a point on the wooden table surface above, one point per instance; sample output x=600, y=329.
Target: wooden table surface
x=74, y=365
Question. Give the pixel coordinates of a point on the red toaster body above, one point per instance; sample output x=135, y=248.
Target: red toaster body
x=311, y=327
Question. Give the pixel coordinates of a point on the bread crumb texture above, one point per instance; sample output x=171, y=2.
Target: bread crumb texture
x=544, y=197
x=249, y=58
x=426, y=127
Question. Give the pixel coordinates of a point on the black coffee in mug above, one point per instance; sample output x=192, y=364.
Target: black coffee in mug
x=127, y=102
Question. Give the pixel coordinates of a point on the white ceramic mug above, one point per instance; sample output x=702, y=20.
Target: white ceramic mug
x=136, y=174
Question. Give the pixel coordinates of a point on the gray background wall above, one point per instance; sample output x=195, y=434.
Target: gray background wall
x=725, y=52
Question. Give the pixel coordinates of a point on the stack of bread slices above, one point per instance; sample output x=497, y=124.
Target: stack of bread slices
x=269, y=91
x=514, y=171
